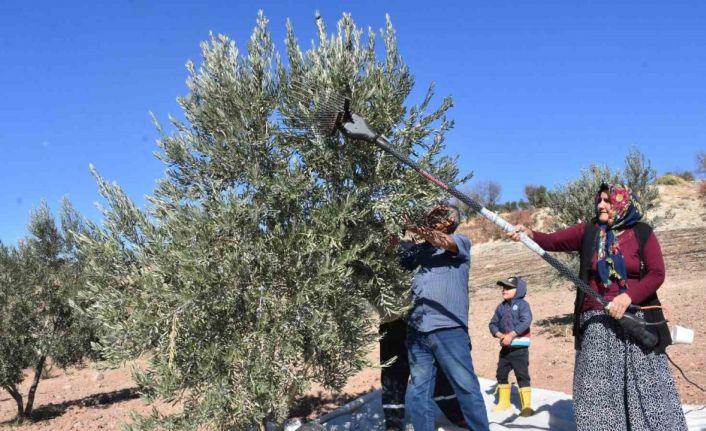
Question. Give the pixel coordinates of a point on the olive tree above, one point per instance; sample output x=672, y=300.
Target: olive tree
x=40, y=315
x=252, y=271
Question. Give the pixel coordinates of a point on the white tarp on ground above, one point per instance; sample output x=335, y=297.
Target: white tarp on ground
x=553, y=412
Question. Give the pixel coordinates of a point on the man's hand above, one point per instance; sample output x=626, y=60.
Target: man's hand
x=408, y=225
x=392, y=242
x=434, y=237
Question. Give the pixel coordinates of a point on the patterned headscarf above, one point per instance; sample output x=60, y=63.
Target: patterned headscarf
x=626, y=211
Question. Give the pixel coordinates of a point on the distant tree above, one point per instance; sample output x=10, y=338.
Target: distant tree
x=511, y=206
x=39, y=315
x=574, y=201
x=537, y=196
x=701, y=162
x=16, y=322
x=508, y=206
x=251, y=273
x=485, y=192
x=639, y=176
x=687, y=176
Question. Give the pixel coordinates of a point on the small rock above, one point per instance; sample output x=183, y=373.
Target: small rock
x=98, y=376
x=67, y=387
x=77, y=426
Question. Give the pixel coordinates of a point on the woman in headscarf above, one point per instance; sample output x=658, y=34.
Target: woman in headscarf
x=618, y=383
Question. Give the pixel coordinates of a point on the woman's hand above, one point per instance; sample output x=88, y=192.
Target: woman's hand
x=616, y=308
x=515, y=236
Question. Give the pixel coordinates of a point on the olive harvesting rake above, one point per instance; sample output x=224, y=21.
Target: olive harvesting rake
x=332, y=115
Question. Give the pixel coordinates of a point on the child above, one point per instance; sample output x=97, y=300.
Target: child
x=511, y=324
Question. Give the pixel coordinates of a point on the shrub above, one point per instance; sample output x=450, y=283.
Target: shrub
x=574, y=201
x=684, y=175
x=537, y=196
x=669, y=180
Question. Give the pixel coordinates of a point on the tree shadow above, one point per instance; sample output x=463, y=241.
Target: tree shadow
x=556, y=326
x=51, y=411
x=561, y=319
x=307, y=405
x=560, y=412
x=561, y=417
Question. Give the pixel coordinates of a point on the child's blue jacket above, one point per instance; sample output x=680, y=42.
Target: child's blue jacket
x=517, y=312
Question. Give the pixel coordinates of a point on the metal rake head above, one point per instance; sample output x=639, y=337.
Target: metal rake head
x=327, y=113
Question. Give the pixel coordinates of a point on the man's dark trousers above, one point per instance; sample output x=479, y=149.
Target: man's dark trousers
x=394, y=379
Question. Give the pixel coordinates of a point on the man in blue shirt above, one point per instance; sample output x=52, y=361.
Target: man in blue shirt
x=438, y=321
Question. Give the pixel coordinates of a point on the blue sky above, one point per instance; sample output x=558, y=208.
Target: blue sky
x=541, y=88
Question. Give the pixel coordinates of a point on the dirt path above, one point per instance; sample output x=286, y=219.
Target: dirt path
x=80, y=399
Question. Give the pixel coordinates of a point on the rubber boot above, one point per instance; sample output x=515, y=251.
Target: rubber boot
x=503, y=391
x=526, y=400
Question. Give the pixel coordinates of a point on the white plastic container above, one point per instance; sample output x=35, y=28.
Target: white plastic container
x=682, y=335
x=292, y=424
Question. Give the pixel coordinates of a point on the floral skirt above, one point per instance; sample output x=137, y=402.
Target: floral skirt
x=619, y=386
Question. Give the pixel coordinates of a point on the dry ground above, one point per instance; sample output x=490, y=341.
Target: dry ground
x=86, y=399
